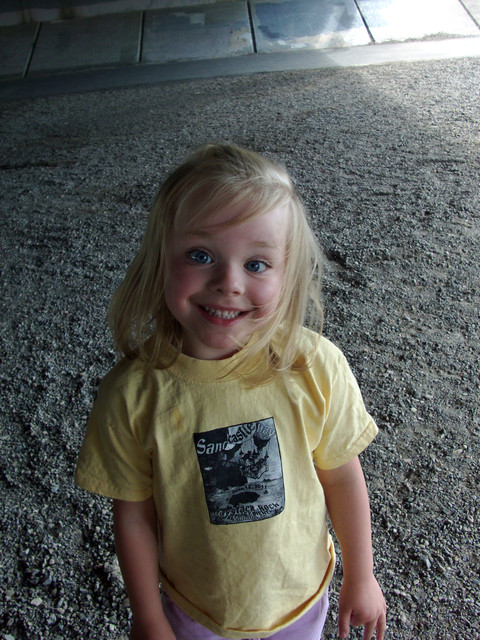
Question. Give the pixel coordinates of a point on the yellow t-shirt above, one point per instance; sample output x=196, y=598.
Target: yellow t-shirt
x=244, y=547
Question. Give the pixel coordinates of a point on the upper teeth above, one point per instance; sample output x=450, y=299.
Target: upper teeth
x=225, y=315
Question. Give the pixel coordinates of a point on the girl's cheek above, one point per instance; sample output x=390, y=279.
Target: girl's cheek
x=271, y=298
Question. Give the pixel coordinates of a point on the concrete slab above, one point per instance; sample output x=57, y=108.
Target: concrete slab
x=399, y=20
x=20, y=11
x=150, y=74
x=202, y=31
x=87, y=42
x=282, y=25
x=15, y=45
x=11, y=13
x=473, y=7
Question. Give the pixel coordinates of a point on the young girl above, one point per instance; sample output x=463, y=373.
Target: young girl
x=228, y=430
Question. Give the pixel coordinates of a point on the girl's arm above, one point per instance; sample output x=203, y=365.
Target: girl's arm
x=361, y=600
x=135, y=528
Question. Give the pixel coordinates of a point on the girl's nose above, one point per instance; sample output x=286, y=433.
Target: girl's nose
x=227, y=280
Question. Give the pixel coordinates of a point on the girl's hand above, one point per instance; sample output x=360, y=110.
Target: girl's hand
x=361, y=600
x=362, y=603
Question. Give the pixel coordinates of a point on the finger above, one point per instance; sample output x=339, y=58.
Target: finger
x=381, y=625
x=343, y=630
x=343, y=623
x=368, y=630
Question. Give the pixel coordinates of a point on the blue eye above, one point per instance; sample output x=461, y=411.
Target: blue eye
x=255, y=266
x=199, y=256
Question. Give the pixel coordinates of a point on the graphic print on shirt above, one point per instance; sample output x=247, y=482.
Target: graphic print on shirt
x=242, y=472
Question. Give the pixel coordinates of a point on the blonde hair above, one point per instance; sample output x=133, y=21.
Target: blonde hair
x=212, y=178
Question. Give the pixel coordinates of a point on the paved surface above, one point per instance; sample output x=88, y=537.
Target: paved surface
x=228, y=38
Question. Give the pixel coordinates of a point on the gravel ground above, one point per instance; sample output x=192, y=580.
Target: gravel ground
x=386, y=159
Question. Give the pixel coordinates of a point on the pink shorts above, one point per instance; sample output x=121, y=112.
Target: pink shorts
x=308, y=627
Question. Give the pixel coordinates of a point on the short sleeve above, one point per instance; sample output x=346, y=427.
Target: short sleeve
x=112, y=460
x=347, y=426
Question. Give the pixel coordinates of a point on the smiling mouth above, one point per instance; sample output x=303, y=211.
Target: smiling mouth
x=223, y=315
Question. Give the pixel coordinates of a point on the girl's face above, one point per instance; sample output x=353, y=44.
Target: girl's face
x=222, y=278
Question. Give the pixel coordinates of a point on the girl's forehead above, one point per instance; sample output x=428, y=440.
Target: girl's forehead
x=207, y=220
x=226, y=217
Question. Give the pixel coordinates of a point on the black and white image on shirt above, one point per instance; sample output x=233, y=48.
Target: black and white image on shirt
x=242, y=472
